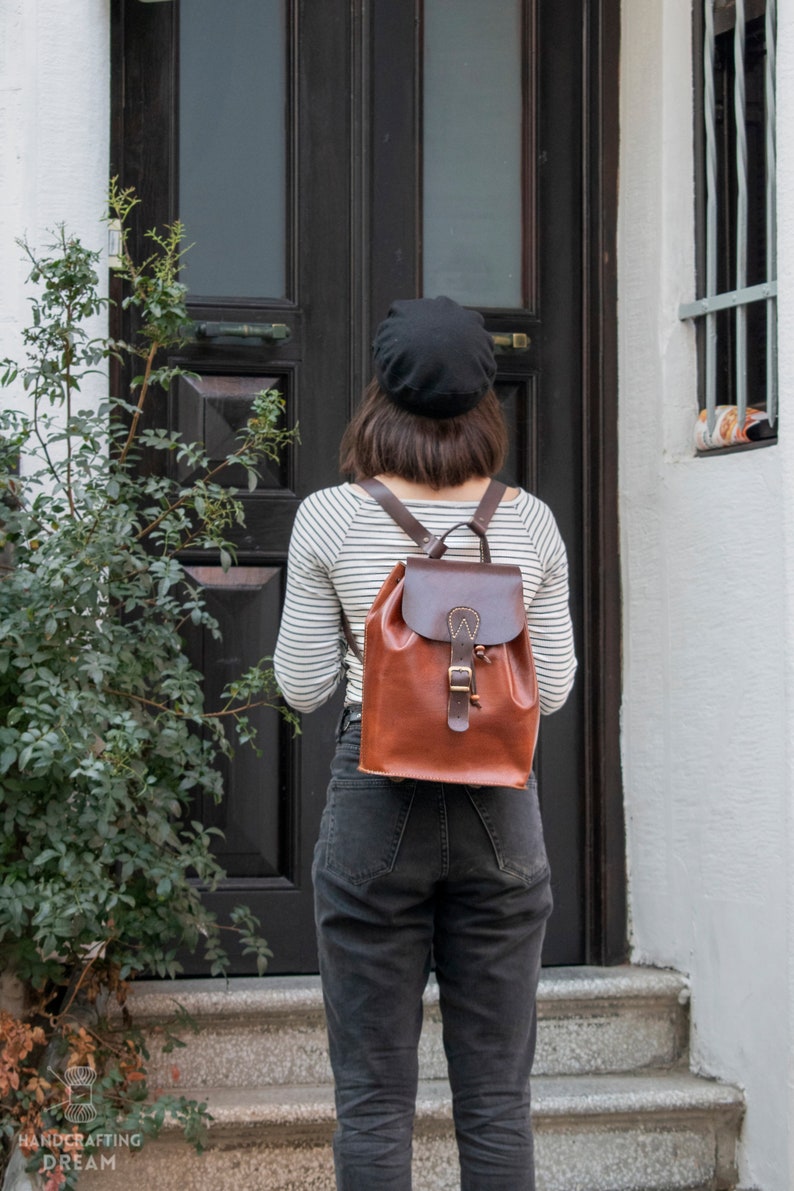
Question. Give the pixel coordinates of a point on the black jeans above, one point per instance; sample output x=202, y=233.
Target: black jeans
x=403, y=869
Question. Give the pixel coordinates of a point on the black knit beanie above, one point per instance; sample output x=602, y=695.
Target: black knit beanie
x=433, y=357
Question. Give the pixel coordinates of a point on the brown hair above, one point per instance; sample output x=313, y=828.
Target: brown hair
x=384, y=439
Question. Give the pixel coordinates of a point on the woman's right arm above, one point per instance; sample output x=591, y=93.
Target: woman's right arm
x=310, y=648
x=548, y=614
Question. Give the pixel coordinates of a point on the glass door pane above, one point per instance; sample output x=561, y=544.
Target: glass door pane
x=473, y=141
x=232, y=146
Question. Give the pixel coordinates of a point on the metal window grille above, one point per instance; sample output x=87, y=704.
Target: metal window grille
x=737, y=266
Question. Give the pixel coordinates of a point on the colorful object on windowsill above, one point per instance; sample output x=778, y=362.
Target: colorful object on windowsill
x=727, y=432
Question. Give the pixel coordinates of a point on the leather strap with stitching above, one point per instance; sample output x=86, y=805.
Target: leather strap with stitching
x=464, y=624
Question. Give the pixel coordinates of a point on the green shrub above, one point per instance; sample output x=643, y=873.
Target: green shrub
x=105, y=742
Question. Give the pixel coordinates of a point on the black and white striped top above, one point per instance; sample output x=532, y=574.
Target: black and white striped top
x=344, y=546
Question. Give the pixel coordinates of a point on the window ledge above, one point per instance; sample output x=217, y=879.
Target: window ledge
x=728, y=435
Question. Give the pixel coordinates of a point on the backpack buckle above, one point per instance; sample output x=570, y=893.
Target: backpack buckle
x=459, y=671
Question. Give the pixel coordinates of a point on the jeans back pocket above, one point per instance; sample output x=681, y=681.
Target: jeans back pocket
x=514, y=826
x=366, y=820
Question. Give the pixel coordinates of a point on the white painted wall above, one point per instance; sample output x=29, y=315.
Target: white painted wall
x=54, y=136
x=708, y=631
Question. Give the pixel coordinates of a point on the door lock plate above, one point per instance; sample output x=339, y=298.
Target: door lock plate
x=516, y=341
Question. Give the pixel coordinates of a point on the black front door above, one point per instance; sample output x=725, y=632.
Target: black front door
x=327, y=158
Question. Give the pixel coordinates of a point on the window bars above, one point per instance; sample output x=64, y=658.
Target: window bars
x=719, y=159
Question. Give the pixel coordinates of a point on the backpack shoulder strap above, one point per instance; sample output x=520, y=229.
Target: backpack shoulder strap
x=485, y=511
x=432, y=546
x=487, y=507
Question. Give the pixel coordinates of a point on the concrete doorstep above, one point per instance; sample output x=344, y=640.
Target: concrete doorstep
x=615, y=1107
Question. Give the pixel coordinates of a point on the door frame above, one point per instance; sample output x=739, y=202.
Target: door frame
x=146, y=160
x=605, y=826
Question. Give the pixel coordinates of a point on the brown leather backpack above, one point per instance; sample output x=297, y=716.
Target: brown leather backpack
x=450, y=691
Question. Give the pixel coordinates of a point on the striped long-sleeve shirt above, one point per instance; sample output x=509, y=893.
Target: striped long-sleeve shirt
x=344, y=546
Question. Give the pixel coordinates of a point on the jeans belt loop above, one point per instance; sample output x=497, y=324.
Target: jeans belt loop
x=350, y=715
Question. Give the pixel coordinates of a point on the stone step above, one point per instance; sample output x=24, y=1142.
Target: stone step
x=670, y=1131
x=272, y=1031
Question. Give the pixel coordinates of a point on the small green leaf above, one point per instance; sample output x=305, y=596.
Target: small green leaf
x=43, y=857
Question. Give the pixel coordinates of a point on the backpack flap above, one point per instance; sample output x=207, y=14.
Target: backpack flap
x=433, y=587
x=469, y=605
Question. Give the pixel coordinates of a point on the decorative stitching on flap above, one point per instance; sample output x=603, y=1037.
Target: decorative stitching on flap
x=454, y=629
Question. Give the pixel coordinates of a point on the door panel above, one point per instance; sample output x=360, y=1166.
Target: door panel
x=356, y=120
x=256, y=820
x=223, y=141
x=532, y=286
x=213, y=409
